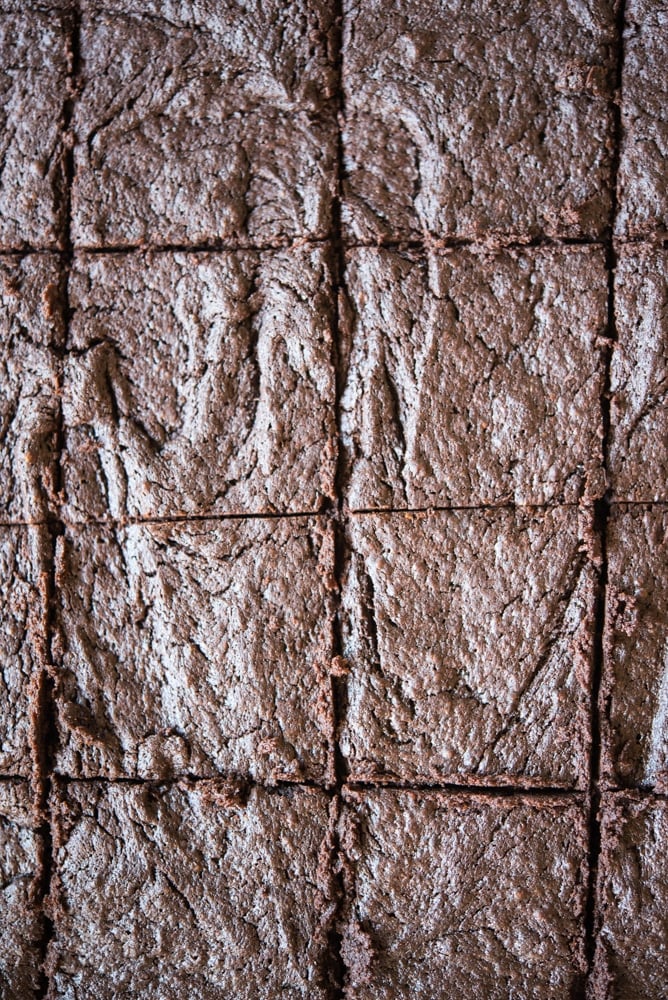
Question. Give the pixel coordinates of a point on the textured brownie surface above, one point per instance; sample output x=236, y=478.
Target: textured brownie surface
x=204, y=124
x=634, y=691
x=23, y=564
x=643, y=179
x=467, y=897
x=31, y=324
x=476, y=119
x=468, y=637
x=631, y=955
x=473, y=377
x=638, y=457
x=199, y=384
x=20, y=922
x=195, y=648
x=33, y=89
x=181, y=891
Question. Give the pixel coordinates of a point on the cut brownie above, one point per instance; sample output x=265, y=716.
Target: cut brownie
x=24, y=554
x=199, y=383
x=204, y=122
x=33, y=89
x=20, y=921
x=477, y=119
x=183, y=891
x=31, y=324
x=468, y=636
x=638, y=456
x=473, y=377
x=643, y=179
x=468, y=897
x=634, y=690
x=195, y=649
x=632, y=912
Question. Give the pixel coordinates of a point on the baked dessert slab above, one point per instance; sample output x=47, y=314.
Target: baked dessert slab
x=632, y=900
x=201, y=122
x=634, y=688
x=478, y=120
x=467, y=896
x=642, y=189
x=20, y=916
x=24, y=560
x=183, y=890
x=638, y=452
x=468, y=637
x=199, y=384
x=31, y=326
x=34, y=66
x=473, y=377
x=195, y=648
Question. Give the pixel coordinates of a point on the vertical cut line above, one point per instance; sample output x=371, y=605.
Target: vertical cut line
x=337, y=672
x=602, y=514
x=46, y=716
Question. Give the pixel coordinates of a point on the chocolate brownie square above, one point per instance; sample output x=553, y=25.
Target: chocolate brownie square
x=24, y=556
x=204, y=122
x=199, y=384
x=643, y=180
x=182, y=891
x=463, y=896
x=473, y=377
x=638, y=455
x=34, y=65
x=634, y=689
x=468, y=636
x=477, y=119
x=31, y=325
x=195, y=648
x=631, y=960
x=20, y=920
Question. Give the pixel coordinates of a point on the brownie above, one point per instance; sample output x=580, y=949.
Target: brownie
x=634, y=688
x=24, y=559
x=463, y=896
x=183, y=891
x=34, y=65
x=468, y=637
x=31, y=327
x=477, y=120
x=199, y=384
x=20, y=921
x=203, y=122
x=631, y=960
x=195, y=648
x=642, y=190
x=638, y=454
x=473, y=377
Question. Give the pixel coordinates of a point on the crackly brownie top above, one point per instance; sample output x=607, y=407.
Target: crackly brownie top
x=642, y=188
x=632, y=900
x=476, y=119
x=24, y=553
x=638, y=455
x=183, y=890
x=20, y=922
x=473, y=377
x=195, y=648
x=463, y=896
x=199, y=384
x=468, y=636
x=201, y=122
x=634, y=692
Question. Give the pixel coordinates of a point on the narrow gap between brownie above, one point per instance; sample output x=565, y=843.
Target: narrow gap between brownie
x=336, y=964
x=45, y=720
x=602, y=513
